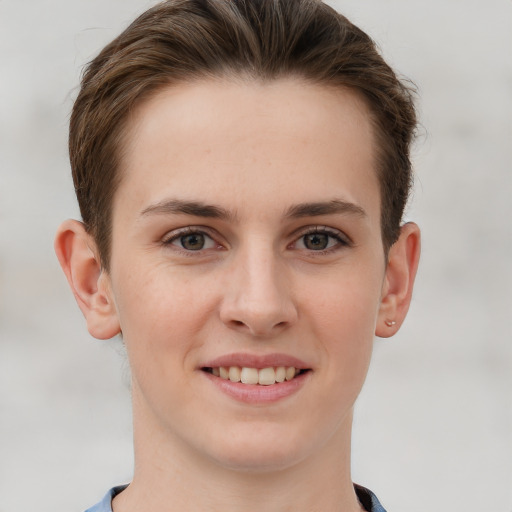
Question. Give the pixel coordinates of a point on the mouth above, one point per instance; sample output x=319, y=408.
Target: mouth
x=256, y=376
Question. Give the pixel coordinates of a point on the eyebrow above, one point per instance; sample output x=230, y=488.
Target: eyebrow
x=200, y=209
x=325, y=208
x=195, y=208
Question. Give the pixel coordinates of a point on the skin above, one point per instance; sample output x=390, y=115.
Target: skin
x=257, y=153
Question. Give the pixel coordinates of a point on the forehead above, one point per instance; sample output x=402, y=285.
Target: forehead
x=269, y=139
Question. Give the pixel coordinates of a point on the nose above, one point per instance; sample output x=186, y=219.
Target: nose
x=258, y=297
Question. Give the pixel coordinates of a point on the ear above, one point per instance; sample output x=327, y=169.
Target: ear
x=78, y=257
x=398, y=283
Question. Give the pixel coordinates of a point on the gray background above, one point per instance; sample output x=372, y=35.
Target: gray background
x=433, y=428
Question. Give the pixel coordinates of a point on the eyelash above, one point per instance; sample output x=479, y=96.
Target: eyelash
x=341, y=239
x=189, y=230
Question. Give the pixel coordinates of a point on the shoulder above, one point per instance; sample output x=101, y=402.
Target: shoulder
x=105, y=505
x=368, y=499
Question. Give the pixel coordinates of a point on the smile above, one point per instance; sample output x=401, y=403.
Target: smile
x=263, y=377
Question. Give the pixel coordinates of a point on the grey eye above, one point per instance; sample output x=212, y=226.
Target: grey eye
x=316, y=241
x=193, y=242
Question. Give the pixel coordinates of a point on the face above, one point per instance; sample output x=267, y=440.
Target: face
x=247, y=245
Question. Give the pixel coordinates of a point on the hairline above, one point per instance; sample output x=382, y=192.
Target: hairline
x=126, y=131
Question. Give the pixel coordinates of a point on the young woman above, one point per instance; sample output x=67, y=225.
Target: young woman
x=242, y=168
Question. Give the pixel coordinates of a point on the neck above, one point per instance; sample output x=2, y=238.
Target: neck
x=169, y=476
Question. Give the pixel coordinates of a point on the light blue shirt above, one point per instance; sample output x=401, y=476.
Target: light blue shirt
x=368, y=500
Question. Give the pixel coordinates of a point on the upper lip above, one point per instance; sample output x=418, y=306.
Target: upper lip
x=256, y=361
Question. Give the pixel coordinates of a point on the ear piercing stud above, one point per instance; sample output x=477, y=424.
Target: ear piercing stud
x=390, y=323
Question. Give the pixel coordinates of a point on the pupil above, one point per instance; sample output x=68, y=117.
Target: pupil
x=193, y=242
x=316, y=241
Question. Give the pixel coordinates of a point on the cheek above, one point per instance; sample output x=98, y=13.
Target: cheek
x=160, y=311
x=343, y=317
x=347, y=304
x=159, y=317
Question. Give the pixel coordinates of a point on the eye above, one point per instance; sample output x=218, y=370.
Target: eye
x=321, y=239
x=317, y=241
x=191, y=240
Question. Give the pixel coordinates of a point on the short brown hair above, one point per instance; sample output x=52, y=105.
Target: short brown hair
x=182, y=40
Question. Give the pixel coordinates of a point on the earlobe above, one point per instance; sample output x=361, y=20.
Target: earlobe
x=90, y=285
x=398, y=284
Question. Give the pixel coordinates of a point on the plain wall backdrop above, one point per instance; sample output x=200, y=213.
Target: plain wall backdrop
x=433, y=427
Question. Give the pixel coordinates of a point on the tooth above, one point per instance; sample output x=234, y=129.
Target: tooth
x=280, y=374
x=266, y=376
x=234, y=374
x=290, y=373
x=249, y=375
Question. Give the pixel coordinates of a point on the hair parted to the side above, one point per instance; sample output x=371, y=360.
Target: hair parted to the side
x=184, y=40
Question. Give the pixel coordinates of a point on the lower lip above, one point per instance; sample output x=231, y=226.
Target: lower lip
x=256, y=393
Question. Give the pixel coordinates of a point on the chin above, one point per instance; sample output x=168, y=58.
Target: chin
x=259, y=463
x=260, y=452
